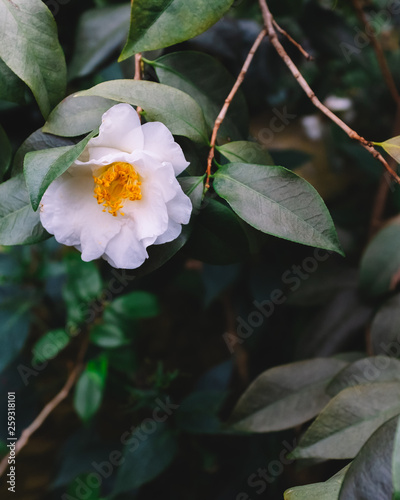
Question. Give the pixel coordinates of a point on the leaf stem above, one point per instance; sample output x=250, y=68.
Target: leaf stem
x=138, y=76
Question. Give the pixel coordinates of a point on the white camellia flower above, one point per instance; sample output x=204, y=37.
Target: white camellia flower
x=121, y=195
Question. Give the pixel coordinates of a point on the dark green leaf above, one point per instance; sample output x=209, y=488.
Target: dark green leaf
x=193, y=187
x=246, y=152
x=48, y=346
x=100, y=33
x=42, y=167
x=108, y=336
x=381, y=262
x=156, y=24
x=370, y=474
x=329, y=490
x=177, y=110
x=19, y=224
x=5, y=152
x=285, y=396
x=349, y=420
x=146, y=455
x=11, y=87
x=278, y=202
x=39, y=61
x=135, y=305
x=209, y=83
x=198, y=412
x=90, y=387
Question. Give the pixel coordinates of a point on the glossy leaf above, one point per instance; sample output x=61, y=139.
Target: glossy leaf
x=42, y=167
x=89, y=388
x=12, y=89
x=380, y=264
x=370, y=474
x=209, y=83
x=39, y=60
x=176, y=109
x=193, y=187
x=349, y=420
x=100, y=32
x=135, y=305
x=278, y=202
x=246, y=152
x=146, y=455
x=329, y=490
x=285, y=396
x=48, y=346
x=19, y=224
x=5, y=152
x=156, y=24
x=108, y=336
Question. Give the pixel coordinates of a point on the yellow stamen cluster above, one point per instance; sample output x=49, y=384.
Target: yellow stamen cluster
x=118, y=183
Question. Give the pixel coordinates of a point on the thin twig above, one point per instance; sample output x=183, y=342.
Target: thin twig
x=228, y=100
x=50, y=406
x=293, y=41
x=269, y=24
x=138, y=76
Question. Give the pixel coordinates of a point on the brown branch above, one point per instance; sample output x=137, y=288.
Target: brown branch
x=228, y=100
x=138, y=76
x=50, y=406
x=293, y=41
x=269, y=24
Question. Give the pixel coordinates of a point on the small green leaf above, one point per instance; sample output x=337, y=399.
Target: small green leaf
x=176, y=109
x=209, y=83
x=135, y=305
x=370, y=474
x=285, y=396
x=380, y=264
x=329, y=490
x=349, y=420
x=278, y=202
x=100, y=32
x=391, y=146
x=19, y=224
x=42, y=167
x=12, y=89
x=29, y=27
x=108, y=336
x=5, y=152
x=156, y=24
x=48, y=346
x=146, y=455
x=90, y=387
x=246, y=152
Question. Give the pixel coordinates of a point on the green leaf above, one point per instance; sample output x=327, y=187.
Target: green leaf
x=156, y=24
x=90, y=387
x=42, y=167
x=29, y=27
x=370, y=474
x=209, y=83
x=278, y=202
x=147, y=453
x=177, y=110
x=5, y=152
x=392, y=147
x=349, y=420
x=380, y=263
x=19, y=224
x=12, y=89
x=198, y=412
x=77, y=115
x=100, y=32
x=285, y=396
x=396, y=462
x=48, y=346
x=246, y=152
x=108, y=336
x=193, y=187
x=385, y=327
x=135, y=305
x=329, y=490
x=365, y=371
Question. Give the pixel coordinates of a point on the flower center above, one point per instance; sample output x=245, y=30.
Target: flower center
x=118, y=183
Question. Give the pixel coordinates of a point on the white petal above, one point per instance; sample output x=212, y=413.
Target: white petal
x=173, y=231
x=180, y=208
x=70, y=212
x=120, y=129
x=125, y=251
x=160, y=143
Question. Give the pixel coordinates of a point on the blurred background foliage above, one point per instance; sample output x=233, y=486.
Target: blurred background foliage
x=172, y=335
